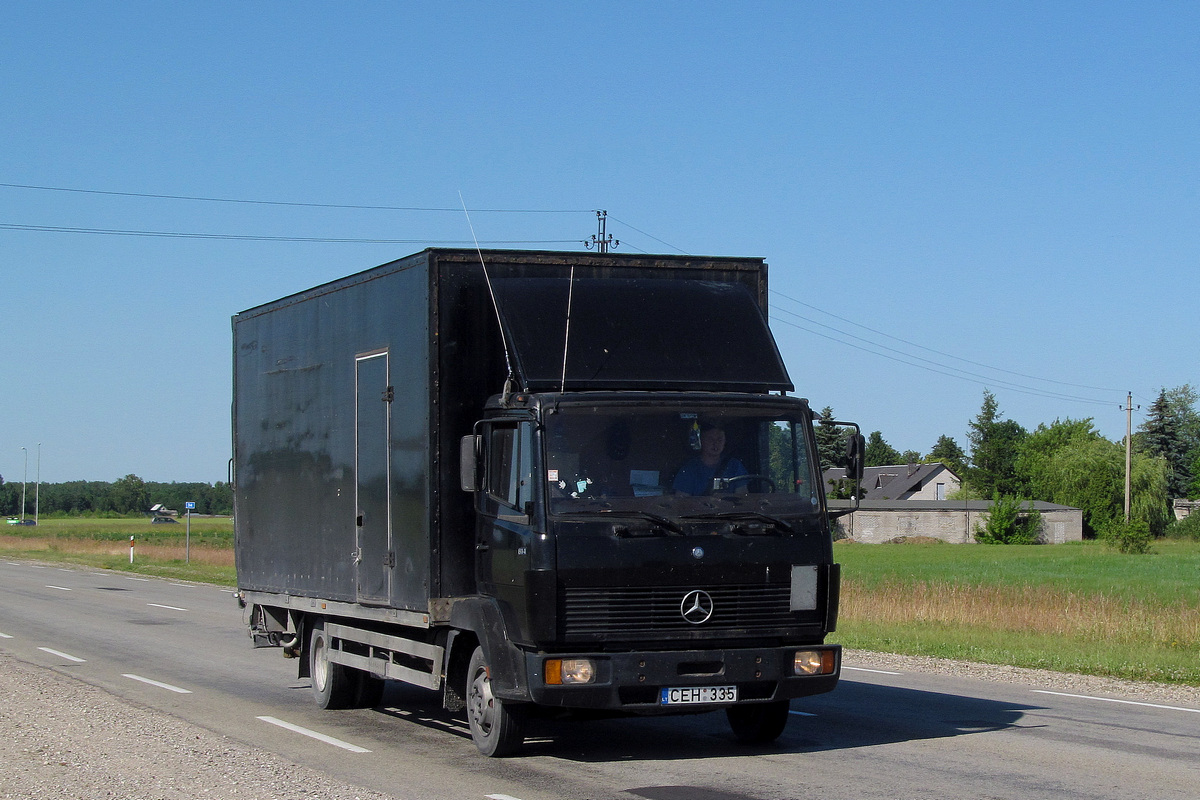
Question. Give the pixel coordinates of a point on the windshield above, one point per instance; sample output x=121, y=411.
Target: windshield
x=651, y=460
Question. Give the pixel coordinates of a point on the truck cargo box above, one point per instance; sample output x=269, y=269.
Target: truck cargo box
x=350, y=398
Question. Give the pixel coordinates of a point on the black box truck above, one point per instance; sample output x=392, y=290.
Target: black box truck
x=535, y=480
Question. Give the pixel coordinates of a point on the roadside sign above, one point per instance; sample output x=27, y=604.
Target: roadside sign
x=189, y=505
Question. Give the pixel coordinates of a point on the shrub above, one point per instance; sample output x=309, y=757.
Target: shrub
x=1131, y=537
x=1186, y=528
x=1006, y=524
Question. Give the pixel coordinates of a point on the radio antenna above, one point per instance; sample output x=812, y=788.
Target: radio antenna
x=567, y=335
x=508, y=381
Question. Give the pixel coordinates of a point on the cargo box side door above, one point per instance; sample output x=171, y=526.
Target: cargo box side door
x=374, y=556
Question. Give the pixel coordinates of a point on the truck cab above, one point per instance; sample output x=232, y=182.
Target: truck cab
x=654, y=552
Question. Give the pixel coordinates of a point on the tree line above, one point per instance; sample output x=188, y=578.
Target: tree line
x=1066, y=462
x=129, y=495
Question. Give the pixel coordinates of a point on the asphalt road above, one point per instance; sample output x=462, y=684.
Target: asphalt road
x=182, y=649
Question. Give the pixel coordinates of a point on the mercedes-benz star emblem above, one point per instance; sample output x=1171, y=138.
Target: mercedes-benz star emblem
x=697, y=606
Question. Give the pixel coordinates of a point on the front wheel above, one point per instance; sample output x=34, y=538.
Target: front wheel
x=495, y=725
x=334, y=685
x=758, y=723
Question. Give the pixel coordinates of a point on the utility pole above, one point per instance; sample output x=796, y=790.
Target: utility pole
x=601, y=240
x=37, y=491
x=1128, y=448
x=24, y=480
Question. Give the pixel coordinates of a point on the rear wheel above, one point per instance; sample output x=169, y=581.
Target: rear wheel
x=758, y=723
x=369, y=690
x=495, y=725
x=333, y=685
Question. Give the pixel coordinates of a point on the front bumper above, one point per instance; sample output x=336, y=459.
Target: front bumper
x=633, y=681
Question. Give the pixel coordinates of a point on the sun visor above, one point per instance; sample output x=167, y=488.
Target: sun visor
x=649, y=333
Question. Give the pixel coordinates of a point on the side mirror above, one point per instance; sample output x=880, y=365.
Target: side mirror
x=468, y=463
x=856, y=448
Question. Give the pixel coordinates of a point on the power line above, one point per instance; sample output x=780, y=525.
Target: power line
x=257, y=238
x=932, y=350
x=359, y=207
x=933, y=366
x=655, y=238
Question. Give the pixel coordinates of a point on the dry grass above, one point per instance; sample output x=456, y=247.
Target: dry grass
x=91, y=548
x=1039, y=610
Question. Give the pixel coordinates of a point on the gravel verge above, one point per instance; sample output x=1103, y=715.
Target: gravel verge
x=1138, y=691
x=62, y=738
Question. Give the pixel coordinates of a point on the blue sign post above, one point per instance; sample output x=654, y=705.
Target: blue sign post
x=190, y=505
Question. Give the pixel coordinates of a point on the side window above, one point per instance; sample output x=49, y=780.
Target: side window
x=510, y=465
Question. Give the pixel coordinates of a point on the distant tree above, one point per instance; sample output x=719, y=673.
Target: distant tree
x=1160, y=436
x=910, y=457
x=1070, y=463
x=879, y=453
x=1150, y=500
x=949, y=453
x=1172, y=431
x=995, y=445
x=1194, y=486
x=129, y=495
x=831, y=440
x=9, y=500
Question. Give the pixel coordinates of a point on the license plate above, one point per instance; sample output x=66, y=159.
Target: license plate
x=696, y=695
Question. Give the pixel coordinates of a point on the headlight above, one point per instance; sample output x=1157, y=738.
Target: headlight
x=815, y=662
x=559, y=671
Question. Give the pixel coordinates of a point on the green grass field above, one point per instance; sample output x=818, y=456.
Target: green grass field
x=1072, y=608
x=161, y=550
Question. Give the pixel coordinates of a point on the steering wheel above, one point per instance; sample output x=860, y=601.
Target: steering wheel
x=767, y=482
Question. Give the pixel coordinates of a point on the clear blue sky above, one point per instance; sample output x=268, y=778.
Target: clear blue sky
x=1007, y=190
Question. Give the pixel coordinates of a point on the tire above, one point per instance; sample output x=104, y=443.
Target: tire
x=758, y=723
x=334, y=685
x=495, y=725
x=368, y=691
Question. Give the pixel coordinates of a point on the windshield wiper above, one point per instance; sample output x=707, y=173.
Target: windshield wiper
x=745, y=515
x=657, y=519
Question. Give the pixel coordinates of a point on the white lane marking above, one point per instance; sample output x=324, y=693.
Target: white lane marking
x=4, y=636
x=61, y=654
x=1111, y=700
x=169, y=608
x=802, y=713
x=320, y=737
x=501, y=797
x=876, y=671
x=159, y=684
x=143, y=580
x=60, y=588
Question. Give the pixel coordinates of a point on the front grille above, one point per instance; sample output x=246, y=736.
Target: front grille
x=643, y=610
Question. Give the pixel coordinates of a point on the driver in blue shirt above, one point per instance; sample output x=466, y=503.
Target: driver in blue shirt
x=696, y=476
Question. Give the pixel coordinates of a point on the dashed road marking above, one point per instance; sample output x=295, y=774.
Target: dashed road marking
x=1113, y=700
x=320, y=737
x=60, y=588
x=61, y=654
x=159, y=684
x=169, y=608
x=4, y=636
x=876, y=671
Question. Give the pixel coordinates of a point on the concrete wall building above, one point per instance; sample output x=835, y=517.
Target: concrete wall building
x=953, y=521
